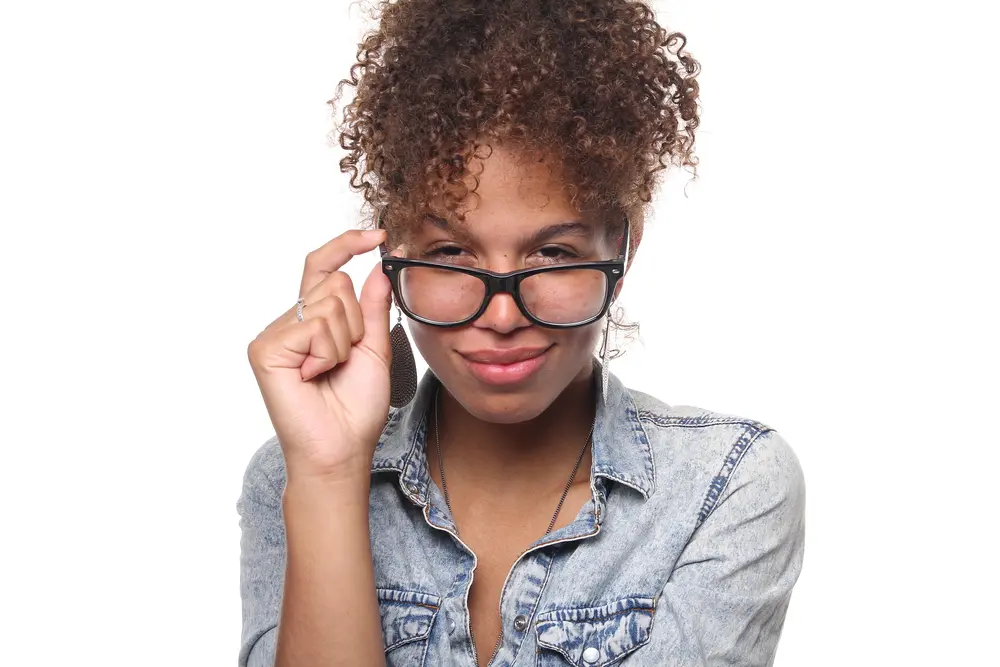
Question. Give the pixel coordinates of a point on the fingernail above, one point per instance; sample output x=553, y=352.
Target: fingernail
x=373, y=234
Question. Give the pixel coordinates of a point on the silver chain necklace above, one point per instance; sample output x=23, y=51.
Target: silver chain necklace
x=444, y=485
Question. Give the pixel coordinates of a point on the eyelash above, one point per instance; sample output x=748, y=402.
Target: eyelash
x=561, y=253
x=442, y=251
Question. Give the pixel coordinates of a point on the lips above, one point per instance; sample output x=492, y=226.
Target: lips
x=510, y=356
x=504, y=367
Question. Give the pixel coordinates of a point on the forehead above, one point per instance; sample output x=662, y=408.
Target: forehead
x=514, y=193
x=519, y=231
x=508, y=178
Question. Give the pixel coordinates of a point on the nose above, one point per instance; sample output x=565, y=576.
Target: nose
x=502, y=315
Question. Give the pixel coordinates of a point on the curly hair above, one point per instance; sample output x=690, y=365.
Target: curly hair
x=597, y=85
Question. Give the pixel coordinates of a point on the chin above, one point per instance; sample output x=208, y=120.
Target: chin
x=506, y=408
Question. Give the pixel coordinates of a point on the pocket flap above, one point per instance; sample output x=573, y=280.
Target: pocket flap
x=597, y=636
x=406, y=615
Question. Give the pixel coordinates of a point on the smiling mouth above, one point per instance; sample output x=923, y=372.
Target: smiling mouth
x=502, y=367
x=503, y=357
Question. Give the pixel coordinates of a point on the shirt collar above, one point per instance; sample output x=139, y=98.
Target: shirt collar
x=620, y=449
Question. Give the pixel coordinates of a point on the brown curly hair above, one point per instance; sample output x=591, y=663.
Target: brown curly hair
x=597, y=85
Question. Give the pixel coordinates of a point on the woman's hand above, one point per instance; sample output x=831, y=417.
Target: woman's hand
x=325, y=380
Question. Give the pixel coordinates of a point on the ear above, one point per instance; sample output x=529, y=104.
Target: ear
x=635, y=236
x=618, y=289
x=380, y=224
x=636, y=224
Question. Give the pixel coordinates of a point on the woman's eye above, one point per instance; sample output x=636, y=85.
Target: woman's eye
x=446, y=250
x=546, y=255
x=557, y=253
x=445, y=253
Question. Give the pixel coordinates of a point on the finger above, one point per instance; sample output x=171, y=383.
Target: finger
x=323, y=354
x=354, y=318
x=307, y=347
x=335, y=253
x=376, y=296
x=337, y=323
x=339, y=284
x=332, y=310
x=290, y=317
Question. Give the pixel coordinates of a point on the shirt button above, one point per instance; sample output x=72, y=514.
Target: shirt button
x=591, y=654
x=520, y=623
x=451, y=626
x=411, y=488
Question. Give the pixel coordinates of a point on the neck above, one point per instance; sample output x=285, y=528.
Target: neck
x=526, y=457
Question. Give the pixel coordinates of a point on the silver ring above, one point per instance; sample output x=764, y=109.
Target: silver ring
x=298, y=308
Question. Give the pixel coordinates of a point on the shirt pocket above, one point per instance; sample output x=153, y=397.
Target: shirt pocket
x=594, y=636
x=407, y=618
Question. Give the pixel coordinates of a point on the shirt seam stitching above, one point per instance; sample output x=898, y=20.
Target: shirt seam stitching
x=650, y=463
x=720, y=482
x=696, y=422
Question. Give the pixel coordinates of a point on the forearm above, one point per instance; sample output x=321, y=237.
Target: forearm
x=329, y=610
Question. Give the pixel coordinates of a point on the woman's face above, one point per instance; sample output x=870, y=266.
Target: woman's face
x=501, y=367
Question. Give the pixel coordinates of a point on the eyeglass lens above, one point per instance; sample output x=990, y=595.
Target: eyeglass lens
x=556, y=297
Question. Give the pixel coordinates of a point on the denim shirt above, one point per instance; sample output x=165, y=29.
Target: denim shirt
x=685, y=554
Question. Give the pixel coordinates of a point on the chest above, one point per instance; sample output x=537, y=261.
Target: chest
x=498, y=541
x=441, y=606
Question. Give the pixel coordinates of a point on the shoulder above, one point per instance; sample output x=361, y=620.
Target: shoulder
x=717, y=452
x=651, y=410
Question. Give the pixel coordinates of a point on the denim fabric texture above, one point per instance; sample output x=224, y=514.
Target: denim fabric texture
x=685, y=555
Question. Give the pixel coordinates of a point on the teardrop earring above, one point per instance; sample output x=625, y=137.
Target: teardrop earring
x=403, y=369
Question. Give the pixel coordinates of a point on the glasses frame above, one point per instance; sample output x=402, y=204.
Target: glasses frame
x=507, y=283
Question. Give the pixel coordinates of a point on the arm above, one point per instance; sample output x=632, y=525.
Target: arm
x=306, y=573
x=726, y=599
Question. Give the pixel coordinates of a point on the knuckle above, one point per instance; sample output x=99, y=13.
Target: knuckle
x=336, y=306
x=256, y=350
x=326, y=307
x=340, y=281
x=317, y=325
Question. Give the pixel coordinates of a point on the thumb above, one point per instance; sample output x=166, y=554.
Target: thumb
x=375, y=299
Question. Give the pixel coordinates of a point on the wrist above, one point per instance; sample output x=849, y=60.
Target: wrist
x=342, y=484
x=347, y=472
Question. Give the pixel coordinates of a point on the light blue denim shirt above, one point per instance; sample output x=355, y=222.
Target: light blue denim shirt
x=685, y=555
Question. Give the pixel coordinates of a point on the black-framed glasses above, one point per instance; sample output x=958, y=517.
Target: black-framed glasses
x=559, y=296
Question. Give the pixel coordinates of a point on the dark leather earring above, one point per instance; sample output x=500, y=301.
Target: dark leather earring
x=403, y=369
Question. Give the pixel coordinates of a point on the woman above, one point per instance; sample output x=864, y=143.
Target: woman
x=523, y=507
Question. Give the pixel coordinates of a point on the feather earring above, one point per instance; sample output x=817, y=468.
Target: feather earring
x=605, y=358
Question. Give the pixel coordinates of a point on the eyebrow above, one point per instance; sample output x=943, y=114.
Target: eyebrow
x=568, y=228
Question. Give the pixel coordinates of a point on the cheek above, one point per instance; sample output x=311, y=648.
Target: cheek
x=579, y=342
x=432, y=342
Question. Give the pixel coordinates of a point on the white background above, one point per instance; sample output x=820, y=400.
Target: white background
x=832, y=273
